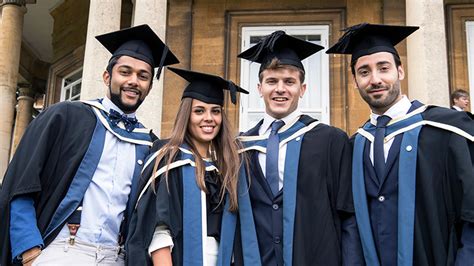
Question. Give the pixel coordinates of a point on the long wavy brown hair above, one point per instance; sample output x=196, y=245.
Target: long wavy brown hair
x=224, y=144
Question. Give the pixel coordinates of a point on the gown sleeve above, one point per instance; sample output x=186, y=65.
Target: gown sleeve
x=23, y=178
x=350, y=240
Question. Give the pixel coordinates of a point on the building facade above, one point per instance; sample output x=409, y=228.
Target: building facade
x=48, y=53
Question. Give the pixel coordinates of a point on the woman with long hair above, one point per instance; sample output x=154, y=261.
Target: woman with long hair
x=190, y=182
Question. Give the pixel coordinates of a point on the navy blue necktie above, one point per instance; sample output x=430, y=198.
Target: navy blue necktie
x=379, y=158
x=129, y=122
x=271, y=167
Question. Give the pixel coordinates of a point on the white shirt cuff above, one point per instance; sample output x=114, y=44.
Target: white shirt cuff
x=161, y=239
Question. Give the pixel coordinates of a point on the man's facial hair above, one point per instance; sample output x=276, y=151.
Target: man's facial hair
x=116, y=98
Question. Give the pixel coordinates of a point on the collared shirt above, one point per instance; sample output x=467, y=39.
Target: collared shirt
x=106, y=197
x=397, y=110
x=264, y=130
x=457, y=108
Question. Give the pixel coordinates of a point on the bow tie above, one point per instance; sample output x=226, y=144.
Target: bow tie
x=129, y=122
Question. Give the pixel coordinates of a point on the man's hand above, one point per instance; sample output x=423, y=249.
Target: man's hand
x=30, y=255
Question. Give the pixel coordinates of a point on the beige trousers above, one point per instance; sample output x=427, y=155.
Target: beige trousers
x=60, y=252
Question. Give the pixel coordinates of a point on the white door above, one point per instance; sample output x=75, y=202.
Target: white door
x=316, y=100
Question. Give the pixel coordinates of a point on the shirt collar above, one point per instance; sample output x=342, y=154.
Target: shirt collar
x=268, y=120
x=457, y=108
x=108, y=104
x=398, y=109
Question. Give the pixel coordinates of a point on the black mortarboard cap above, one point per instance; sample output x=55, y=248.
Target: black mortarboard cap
x=289, y=50
x=139, y=42
x=365, y=39
x=206, y=87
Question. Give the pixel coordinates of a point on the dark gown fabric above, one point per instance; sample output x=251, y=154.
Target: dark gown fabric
x=44, y=165
x=323, y=200
x=444, y=191
x=162, y=204
x=445, y=185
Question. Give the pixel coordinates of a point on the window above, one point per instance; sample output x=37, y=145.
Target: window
x=71, y=86
x=316, y=100
x=62, y=69
x=470, y=57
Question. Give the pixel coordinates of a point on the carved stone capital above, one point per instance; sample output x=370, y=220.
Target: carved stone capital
x=25, y=90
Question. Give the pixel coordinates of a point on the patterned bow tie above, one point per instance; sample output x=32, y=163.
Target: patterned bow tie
x=129, y=122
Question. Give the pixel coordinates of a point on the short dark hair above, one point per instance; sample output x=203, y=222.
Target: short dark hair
x=458, y=93
x=275, y=64
x=396, y=58
x=112, y=63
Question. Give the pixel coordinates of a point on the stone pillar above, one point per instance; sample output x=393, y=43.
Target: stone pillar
x=180, y=19
x=104, y=16
x=153, y=13
x=426, y=52
x=24, y=112
x=10, y=46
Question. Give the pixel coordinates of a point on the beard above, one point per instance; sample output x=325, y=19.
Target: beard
x=382, y=101
x=116, y=98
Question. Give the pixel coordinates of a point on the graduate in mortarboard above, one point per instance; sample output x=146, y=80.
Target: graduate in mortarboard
x=413, y=175
x=68, y=190
x=186, y=213
x=295, y=204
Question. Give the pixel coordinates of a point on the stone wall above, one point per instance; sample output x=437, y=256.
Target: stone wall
x=70, y=27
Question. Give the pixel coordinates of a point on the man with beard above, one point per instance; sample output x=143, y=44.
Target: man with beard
x=412, y=171
x=67, y=191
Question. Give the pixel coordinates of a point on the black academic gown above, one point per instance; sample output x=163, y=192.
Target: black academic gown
x=163, y=205
x=445, y=185
x=44, y=165
x=467, y=112
x=444, y=192
x=323, y=201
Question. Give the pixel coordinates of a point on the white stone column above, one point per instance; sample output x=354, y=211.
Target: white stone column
x=13, y=12
x=153, y=13
x=427, y=52
x=104, y=17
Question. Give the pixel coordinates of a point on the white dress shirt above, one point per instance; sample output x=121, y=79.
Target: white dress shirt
x=265, y=130
x=397, y=110
x=106, y=197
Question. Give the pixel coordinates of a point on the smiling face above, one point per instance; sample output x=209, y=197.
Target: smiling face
x=129, y=83
x=378, y=80
x=281, y=89
x=204, y=124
